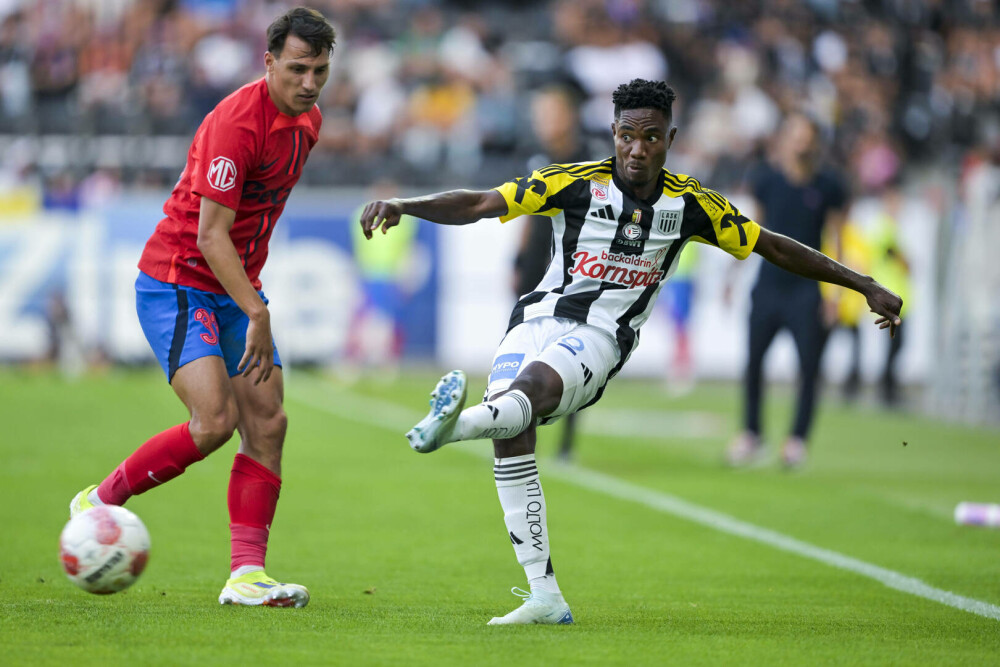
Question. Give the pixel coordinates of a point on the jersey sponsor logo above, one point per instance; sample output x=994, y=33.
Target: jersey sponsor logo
x=616, y=268
x=222, y=174
x=632, y=231
x=258, y=190
x=506, y=367
x=599, y=190
x=668, y=222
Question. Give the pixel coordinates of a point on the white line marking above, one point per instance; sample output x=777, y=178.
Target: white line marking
x=396, y=418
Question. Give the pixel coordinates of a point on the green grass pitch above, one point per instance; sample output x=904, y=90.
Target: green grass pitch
x=407, y=558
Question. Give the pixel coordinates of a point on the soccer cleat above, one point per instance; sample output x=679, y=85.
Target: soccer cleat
x=256, y=588
x=793, y=453
x=447, y=401
x=539, y=607
x=745, y=450
x=80, y=502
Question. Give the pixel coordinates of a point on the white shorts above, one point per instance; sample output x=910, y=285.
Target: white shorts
x=583, y=356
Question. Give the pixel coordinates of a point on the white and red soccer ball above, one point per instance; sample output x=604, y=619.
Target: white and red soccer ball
x=104, y=549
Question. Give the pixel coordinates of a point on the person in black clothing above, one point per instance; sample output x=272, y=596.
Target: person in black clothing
x=556, y=125
x=799, y=197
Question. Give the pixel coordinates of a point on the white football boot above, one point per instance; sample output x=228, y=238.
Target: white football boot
x=539, y=607
x=447, y=402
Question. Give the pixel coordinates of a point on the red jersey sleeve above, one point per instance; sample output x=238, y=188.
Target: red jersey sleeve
x=226, y=152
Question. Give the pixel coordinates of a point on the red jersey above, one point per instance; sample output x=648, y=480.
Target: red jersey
x=246, y=155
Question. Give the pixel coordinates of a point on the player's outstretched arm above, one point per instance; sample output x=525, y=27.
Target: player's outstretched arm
x=803, y=260
x=455, y=207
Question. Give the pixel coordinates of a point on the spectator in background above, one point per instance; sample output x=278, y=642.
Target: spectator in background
x=678, y=297
x=889, y=262
x=798, y=197
x=845, y=310
x=375, y=336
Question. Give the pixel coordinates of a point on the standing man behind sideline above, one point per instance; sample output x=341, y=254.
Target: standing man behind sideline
x=619, y=227
x=800, y=197
x=199, y=301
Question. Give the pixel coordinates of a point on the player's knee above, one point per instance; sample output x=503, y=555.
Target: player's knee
x=274, y=429
x=519, y=445
x=542, y=386
x=213, y=428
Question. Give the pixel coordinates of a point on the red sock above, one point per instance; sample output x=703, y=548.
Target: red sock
x=158, y=460
x=253, y=496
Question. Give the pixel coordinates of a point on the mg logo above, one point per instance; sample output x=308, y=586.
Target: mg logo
x=222, y=174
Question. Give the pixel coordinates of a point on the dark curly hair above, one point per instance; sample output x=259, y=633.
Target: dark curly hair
x=308, y=25
x=642, y=94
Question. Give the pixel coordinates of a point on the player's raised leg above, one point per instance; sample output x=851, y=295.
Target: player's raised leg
x=203, y=385
x=502, y=417
x=254, y=487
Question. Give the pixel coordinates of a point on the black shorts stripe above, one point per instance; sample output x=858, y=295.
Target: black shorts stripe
x=180, y=333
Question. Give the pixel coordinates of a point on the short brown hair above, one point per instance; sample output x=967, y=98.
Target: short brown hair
x=307, y=24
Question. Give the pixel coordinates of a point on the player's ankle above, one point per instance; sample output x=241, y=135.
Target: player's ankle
x=245, y=569
x=546, y=584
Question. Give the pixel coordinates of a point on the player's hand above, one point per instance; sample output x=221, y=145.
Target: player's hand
x=384, y=214
x=886, y=305
x=260, y=349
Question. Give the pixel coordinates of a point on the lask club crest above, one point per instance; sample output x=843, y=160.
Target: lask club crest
x=668, y=222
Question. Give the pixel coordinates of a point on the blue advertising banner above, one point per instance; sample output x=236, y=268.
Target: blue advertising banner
x=72, y=275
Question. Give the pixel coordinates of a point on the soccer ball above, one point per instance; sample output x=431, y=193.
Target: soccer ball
x=104, y=549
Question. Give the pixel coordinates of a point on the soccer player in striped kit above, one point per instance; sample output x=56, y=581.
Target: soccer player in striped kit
x=619, y=226
x=200, y=306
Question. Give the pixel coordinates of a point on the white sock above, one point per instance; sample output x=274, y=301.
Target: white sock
x=95, y=499
x=501, y=418
x=523, y=504
x=245, y=569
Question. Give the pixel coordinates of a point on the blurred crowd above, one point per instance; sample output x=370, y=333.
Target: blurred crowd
x=431, y=92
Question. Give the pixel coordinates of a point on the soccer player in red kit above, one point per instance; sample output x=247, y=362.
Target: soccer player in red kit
x=199, y=302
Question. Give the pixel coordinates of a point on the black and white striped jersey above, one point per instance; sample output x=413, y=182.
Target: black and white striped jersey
x=612, y=252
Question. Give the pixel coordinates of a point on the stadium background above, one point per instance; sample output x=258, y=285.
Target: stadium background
x=98, y=101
